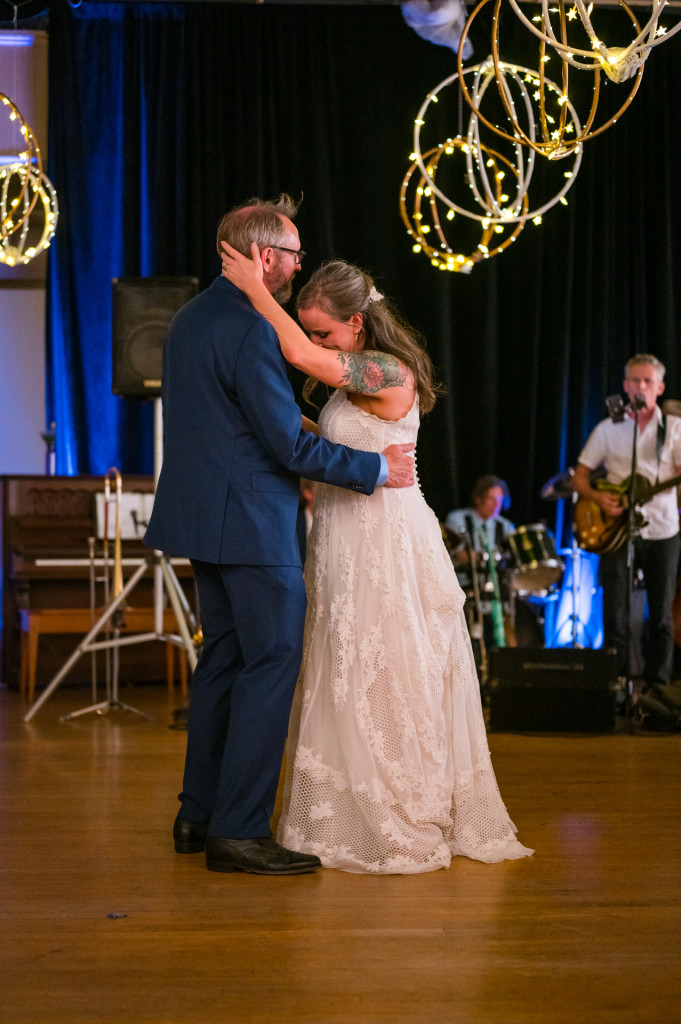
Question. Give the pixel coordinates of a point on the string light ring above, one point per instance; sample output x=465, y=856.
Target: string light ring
x=484, y=74
x=28, y=154
x=35, y=188
x=444, y=257
x=481, y=83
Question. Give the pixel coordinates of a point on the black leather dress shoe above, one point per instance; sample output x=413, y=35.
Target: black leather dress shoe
x=257, y=857
x=189, y=837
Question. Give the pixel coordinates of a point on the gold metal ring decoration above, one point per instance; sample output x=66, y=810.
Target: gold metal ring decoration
x=26, y=197
x=498, y=184
x=555, y=136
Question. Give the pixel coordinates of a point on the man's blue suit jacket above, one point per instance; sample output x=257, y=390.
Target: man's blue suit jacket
x=234, y=447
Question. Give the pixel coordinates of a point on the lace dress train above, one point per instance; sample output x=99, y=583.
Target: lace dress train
x=388, y=766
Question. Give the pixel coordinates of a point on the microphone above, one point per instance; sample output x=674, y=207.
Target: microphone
x=638, y=403
x=615, y=407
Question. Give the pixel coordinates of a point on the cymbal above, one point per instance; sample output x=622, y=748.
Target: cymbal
x=558, y=487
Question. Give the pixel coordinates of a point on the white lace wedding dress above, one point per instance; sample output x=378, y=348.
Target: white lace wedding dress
x=388, y=767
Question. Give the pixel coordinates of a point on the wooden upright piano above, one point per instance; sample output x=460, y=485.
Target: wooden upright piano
x=47, y=523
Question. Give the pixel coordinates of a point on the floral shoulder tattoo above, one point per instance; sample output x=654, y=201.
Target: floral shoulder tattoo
x=369, y=372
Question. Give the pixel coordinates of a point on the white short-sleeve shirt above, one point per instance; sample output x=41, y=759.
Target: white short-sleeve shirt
x=611, y=444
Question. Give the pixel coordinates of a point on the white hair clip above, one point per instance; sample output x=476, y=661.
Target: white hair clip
x=374, y=295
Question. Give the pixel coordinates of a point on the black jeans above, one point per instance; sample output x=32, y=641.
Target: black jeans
x=658, y=561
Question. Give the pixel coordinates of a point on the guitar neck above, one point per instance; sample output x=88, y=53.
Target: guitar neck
x=664, y=486
x=646, y=489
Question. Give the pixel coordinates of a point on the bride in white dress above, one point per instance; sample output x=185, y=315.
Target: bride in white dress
x=388, y=766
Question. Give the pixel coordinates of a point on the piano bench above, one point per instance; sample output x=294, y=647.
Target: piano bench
x=36, y=621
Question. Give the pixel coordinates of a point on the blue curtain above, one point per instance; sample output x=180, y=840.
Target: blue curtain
x=115, y=126
x=164, y=116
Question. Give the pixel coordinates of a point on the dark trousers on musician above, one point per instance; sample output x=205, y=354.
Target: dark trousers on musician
x=659, y=561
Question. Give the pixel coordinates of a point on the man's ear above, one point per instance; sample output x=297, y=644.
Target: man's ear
x=267, y=258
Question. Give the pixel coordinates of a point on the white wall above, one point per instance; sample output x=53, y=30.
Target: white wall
x=23, y=78
x=22, y=380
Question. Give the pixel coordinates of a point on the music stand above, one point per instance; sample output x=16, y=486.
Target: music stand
x=165, y=582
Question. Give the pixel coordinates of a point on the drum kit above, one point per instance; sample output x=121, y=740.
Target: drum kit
x=549, y=596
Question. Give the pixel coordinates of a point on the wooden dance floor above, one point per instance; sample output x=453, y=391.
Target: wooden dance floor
x=103, y=922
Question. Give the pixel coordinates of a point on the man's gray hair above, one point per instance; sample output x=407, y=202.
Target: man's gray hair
x=645, y=357
x=257, y=220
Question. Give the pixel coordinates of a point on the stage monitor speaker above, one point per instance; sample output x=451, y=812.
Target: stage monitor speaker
x=142, y=310
x=552, y=690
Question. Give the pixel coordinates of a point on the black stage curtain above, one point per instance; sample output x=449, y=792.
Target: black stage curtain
x=164, y=116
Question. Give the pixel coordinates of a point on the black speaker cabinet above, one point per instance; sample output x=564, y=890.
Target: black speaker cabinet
x=551, y=690
x=142, y=310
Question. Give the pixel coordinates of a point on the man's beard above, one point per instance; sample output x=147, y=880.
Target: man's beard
x=283, y=292
x=281, y=287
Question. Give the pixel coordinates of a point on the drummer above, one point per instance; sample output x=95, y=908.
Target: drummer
x=482, y=523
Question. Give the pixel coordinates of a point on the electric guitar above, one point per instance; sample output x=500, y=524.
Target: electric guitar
x=600, y=533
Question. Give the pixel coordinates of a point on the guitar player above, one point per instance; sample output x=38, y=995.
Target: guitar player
x=656, y=545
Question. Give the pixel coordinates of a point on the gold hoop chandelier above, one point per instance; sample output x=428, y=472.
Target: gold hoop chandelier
x=28, y=201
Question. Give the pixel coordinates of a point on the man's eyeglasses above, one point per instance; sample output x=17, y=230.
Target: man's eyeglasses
x=297, y=254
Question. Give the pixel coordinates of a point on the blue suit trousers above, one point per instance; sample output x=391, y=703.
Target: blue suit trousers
x=252, y=619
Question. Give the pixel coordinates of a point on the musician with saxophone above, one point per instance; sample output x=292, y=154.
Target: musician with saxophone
x=602, y=514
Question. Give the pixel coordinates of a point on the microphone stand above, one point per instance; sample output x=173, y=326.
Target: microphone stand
x=632, y=531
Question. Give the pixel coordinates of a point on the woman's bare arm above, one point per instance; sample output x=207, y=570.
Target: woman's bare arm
x=365, y=373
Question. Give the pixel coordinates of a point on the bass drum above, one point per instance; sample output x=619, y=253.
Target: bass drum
x=532, y=562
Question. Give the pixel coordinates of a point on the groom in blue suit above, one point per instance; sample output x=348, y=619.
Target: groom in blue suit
x=227, y=498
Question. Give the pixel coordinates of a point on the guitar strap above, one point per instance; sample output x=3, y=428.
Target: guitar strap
x=659, y=443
